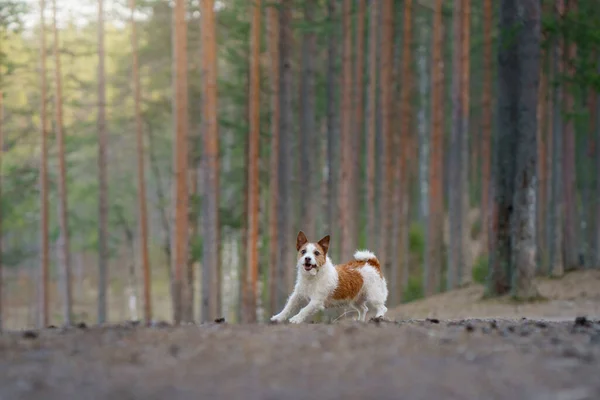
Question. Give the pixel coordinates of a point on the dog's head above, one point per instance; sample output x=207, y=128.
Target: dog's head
x=311, y=256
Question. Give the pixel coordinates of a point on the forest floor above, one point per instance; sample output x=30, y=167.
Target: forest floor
x=550, y=355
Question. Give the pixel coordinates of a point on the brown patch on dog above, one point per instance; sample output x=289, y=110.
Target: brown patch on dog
x=324, y=244
x=350, y=281
x=301, y=240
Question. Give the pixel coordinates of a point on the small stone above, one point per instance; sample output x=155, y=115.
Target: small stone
x=469, y=328
x=582, y=321
x=541, y=324
x=220, y=320
x=82, y=325
x=493, y=324
x=433, y=320
x=30, y=335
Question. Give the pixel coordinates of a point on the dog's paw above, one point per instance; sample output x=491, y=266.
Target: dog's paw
x=296, y=320
x=276, y=318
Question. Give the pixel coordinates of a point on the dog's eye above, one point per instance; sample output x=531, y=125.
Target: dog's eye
x=317, y=253
x=303, y=252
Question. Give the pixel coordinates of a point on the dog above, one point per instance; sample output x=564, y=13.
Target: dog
x=358, y=283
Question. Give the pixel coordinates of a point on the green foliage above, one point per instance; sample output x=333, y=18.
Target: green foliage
x=416, y=241
x=480, y=270
x=414, y=289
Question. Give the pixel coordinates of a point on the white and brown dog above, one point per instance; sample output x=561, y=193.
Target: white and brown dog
x=357, y=284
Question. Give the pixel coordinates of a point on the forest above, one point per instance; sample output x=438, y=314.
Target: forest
x=159, y=157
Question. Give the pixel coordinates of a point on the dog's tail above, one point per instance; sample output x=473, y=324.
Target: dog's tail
x=368, y=257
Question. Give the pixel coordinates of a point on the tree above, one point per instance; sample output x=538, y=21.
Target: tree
x=372, y=127
x=486, y=125
x=309, y=182
x=432, y=270
x=64, y=252
x=387, y=61
x=211, y=281
x=180, y=159
x=1, y=216
x=102, y=178
x=284, y=211
x=464, y=142
x=455, y=193
x=141, y=195
x=523, y=223
x=253, y=158
x=44, y=316
x=359, y=119
x=274, y=265
x=346, y=133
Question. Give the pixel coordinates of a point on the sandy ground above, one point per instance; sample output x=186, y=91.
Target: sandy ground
x=469, y=359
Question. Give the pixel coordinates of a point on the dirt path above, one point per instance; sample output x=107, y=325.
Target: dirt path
x=476, y=359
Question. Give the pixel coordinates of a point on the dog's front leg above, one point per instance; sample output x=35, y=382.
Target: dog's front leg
x=291, y=305
x=312, y=307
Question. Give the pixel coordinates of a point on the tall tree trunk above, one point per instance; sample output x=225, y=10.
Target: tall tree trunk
x=141, y=180
x=285, y=149
x=541, y=187
x=308, y=143
x=274, y=282
x=404, y=140
x=332, y=117
x=44, y=316
x=102, y=178
x=64, y=252
x=211, y=281
x=423, y=64
x=557, y=205
x=385, y=192
x=464, y=267
x=359, y=123
x=180, y=160
x=345, y=184
x=372, y=128
x=1, y=175
x=433, y=267
x=596, y=240
x=571, y=247
x=253, y=159
x=486, y=125
x=523, y=223
x=455, y=186
x=505, y=148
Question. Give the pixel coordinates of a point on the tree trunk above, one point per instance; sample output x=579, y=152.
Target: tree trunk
x=464, y=265
x=141, y=181
x=541, y=188
x=345, y=184
x=372, y=128
x=285, y=150
x=180, y=160
x=64, y=251
x=1, y=175
x=359, y=125
x=596, y=240
x=571, y=248
x=557, y=205
x=405, y=134
x=253, y=159
x=102, y=179
x=505, y=148
x=424, y=142
x=385, y=192
x=309, y=184
x=455, y=217
x=211, y=281
x=523, y=223
x=486, y=125
x=44, y=316
x=433, y=267
x=274, y=282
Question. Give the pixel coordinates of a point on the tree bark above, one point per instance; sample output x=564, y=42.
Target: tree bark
x=385, y=192
x=523, y=223
x=345, y=184
x=465, y=109
x=486, y=126
x=211, y=282
x=505, y=147
x=1, y=175
x=455, y=192
x=274, y=265
x=64, y=252
x=141, y=180
x=253, y=159
x=541, y=187
x=433, y=267
x=102, y=176
x=44, y=316
x=372, y=127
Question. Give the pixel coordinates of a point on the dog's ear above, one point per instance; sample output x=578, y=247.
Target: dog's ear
x=301, y=240
x=324, y=243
